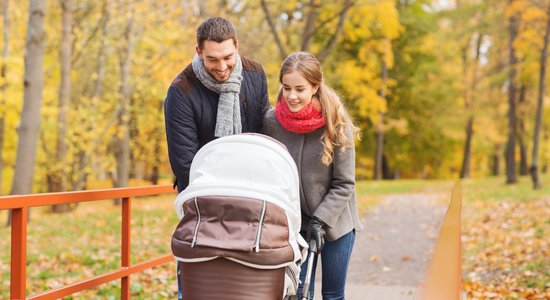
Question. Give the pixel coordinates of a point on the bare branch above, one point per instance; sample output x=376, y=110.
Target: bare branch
x=339, y=28
x=95, y=30
x=308, y=29
x=280, y=45
x=346, y=6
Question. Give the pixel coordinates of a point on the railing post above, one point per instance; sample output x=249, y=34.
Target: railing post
x=125, y=255
x=18, y=280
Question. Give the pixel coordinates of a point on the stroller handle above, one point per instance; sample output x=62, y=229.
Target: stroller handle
x=311, y=258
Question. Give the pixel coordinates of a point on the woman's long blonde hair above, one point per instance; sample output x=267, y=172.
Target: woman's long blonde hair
x=338, y=119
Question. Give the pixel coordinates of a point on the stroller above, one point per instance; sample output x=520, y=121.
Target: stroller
x=238, y=235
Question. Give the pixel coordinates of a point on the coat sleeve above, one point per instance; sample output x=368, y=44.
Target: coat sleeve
x=342, y=185
x=268, y=125
x=181, y=134
x=264, y=102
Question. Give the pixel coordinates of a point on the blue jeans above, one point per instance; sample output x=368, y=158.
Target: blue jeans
x=334, y=261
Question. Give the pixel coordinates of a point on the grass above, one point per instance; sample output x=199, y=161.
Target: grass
x=495, y=189
x=476, y=189
x=386, y=187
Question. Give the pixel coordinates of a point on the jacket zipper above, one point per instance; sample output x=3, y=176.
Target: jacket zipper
x=194, y=242
x=260, y=225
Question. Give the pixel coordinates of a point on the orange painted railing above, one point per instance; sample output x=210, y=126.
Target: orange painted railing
x=20, y=205
x=444, y=276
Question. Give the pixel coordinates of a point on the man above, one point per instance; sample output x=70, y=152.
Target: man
x=219, y=93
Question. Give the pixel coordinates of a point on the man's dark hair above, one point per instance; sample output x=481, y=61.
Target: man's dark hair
x=215, y=29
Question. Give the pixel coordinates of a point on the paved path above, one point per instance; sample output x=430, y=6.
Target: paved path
x=391, y=255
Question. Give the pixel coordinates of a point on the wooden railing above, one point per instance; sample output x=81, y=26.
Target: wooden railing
x=444, y=276
x=20, y=205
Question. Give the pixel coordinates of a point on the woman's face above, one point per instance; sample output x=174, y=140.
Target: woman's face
x=297, y=91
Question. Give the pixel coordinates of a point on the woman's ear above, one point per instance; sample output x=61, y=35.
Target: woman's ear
x=315, y=89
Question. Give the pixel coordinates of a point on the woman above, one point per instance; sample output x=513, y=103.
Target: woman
x=310, y=120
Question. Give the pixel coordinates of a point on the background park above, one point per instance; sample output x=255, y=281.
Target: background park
x=441, y=90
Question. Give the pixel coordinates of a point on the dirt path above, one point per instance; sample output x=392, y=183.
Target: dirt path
x=395, y=247
x=392, y=253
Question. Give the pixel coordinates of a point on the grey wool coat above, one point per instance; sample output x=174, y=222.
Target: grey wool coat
x=326, y=192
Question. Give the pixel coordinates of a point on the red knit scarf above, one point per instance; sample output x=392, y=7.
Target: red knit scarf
x=303, y=121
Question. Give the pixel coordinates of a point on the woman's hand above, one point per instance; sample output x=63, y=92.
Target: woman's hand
x=316, y=232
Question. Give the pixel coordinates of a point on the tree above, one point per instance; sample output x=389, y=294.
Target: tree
x=379, y=151
x=57, y=180
x=522, y=130
x=513, y=24
x=540, y=104
x=3, y=82
x=470, y=89
x=122, y=141
x=81, y=171
x=32, y=100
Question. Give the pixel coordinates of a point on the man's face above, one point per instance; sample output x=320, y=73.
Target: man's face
x=219, y=58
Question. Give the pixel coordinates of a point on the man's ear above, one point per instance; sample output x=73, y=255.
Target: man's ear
x=237, y=46
x=199, y=52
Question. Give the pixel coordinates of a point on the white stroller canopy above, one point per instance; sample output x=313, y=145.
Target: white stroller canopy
x=246, y=165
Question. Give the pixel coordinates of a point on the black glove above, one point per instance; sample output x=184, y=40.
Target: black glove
x=316, y=232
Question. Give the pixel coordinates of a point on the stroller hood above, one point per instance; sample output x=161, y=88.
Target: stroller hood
x=248, y=166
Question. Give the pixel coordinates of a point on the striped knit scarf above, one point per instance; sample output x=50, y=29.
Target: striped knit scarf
x=228, y=120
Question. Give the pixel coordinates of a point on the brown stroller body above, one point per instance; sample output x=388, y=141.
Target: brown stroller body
x=238, y=236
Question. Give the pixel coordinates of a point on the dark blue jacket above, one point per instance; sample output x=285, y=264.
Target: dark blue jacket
x=190, y=111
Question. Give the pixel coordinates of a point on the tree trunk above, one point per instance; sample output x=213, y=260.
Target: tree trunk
x=379, y=152
x=465, y=169
x=521, y=133
x=386, y=171
x=540, y=106
x=496, y=165
x=379, y=149
x=122, y=151
x=469, y=99
x=59, y=181
x=29, y=126
x=4, y=85
x=523, y=168
x=545, y=141
x=84, y=156
x=511, y=146
x=155, y=174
